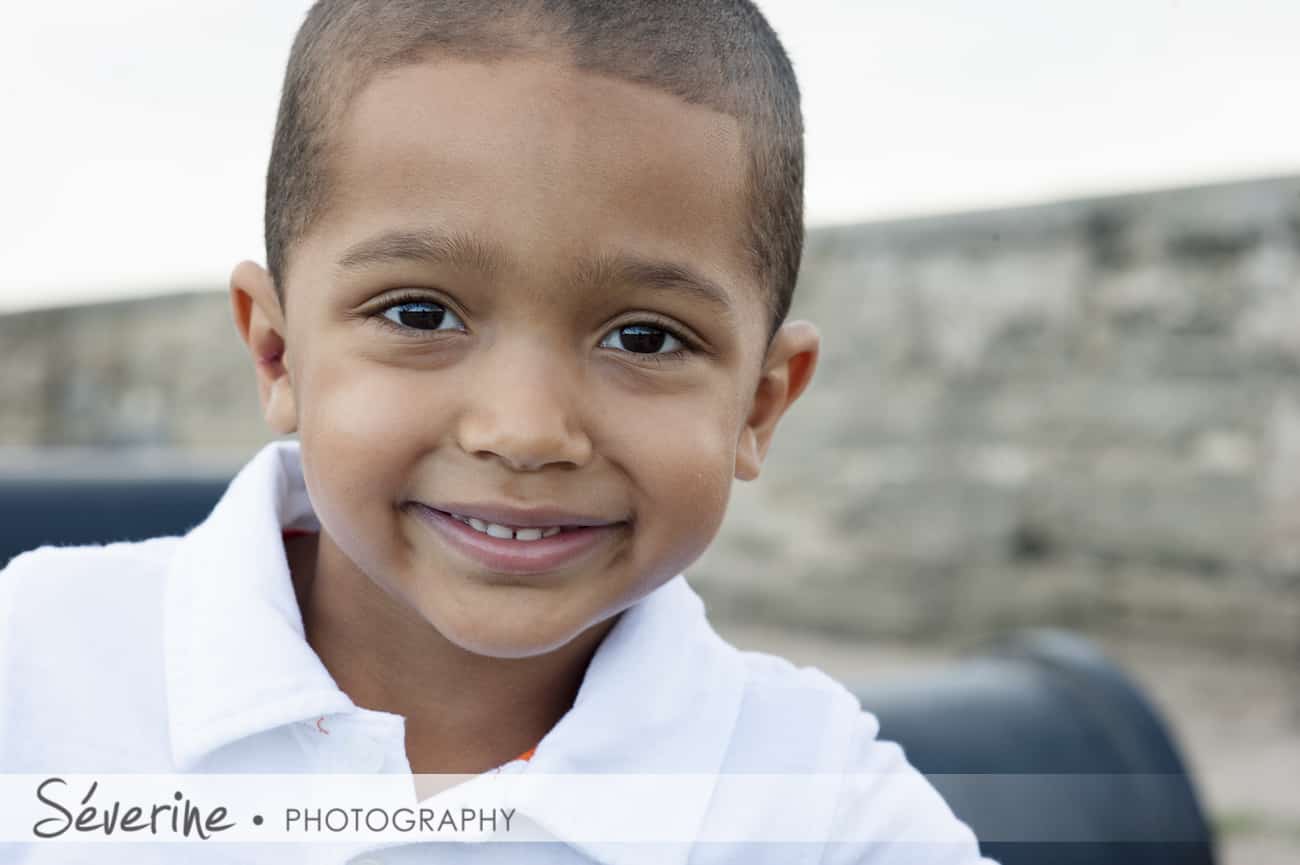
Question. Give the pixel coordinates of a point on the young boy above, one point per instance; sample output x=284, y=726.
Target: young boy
x=528, y=268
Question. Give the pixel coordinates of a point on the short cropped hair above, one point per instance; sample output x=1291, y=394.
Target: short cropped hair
x=718, y=53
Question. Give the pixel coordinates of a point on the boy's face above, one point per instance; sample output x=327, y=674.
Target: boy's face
x=451, y=342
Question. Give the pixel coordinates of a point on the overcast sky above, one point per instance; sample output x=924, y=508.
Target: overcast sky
x=136, y=132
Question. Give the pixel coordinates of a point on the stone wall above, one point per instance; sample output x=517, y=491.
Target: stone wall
x=162, y=371
x=1085, y=413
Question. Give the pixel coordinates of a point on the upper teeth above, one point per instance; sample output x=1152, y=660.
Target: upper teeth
x=497, y=530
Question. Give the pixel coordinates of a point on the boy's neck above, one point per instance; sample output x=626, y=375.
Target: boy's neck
x=465, y=713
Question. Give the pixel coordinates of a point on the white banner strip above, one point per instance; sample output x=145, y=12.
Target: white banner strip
x=532, y=807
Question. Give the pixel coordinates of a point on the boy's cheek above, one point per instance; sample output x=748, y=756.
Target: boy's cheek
x=362, y=403
x=695, y=480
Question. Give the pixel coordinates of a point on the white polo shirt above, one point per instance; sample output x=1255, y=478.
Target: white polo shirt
x=180, y=655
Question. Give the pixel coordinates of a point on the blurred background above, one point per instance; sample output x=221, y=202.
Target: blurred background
x=1054, y=253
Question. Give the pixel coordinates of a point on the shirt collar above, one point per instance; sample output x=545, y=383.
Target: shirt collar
x=238, y=661
x=661, y=694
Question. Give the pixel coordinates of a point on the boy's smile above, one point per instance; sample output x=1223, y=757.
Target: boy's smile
x=527, y=544
x=526, y=302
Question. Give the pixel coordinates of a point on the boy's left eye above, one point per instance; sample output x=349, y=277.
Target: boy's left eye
x=643, y=339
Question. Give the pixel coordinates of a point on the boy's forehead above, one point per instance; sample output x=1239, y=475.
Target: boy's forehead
x=543, y=160
x=537, y=118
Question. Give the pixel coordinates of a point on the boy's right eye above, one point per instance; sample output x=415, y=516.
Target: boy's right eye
x=421, y=315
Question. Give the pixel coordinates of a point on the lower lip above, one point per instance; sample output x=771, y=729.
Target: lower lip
x=508, y=556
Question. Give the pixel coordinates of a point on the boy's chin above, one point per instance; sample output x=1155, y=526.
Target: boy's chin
x=496, y=638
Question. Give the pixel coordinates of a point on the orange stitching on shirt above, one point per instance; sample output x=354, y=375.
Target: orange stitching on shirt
x=319, y=727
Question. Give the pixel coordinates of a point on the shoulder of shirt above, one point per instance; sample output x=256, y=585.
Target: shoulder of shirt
x=813, y=718
x=765, y=670
x=86, y=559
x=94, y=613
x=772, y=675
x=62, y=580
x=806, y=721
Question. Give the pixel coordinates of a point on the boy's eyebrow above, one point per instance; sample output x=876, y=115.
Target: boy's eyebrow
x=456, y=248
x=471, y=252
x=672, y=276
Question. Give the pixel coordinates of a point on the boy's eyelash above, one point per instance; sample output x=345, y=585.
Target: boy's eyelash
x=658, y=358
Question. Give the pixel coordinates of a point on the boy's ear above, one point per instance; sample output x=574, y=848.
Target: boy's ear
x=787, y=369
x=260, y=321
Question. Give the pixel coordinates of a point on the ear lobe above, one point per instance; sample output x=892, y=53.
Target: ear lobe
x=787, y=370
x=749, y=456
x=259, y=318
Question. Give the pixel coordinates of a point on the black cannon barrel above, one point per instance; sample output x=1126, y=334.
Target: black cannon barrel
x=71, y=511
x=1050, y=753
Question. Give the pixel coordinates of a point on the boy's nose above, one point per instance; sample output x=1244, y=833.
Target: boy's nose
x=523, y=406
